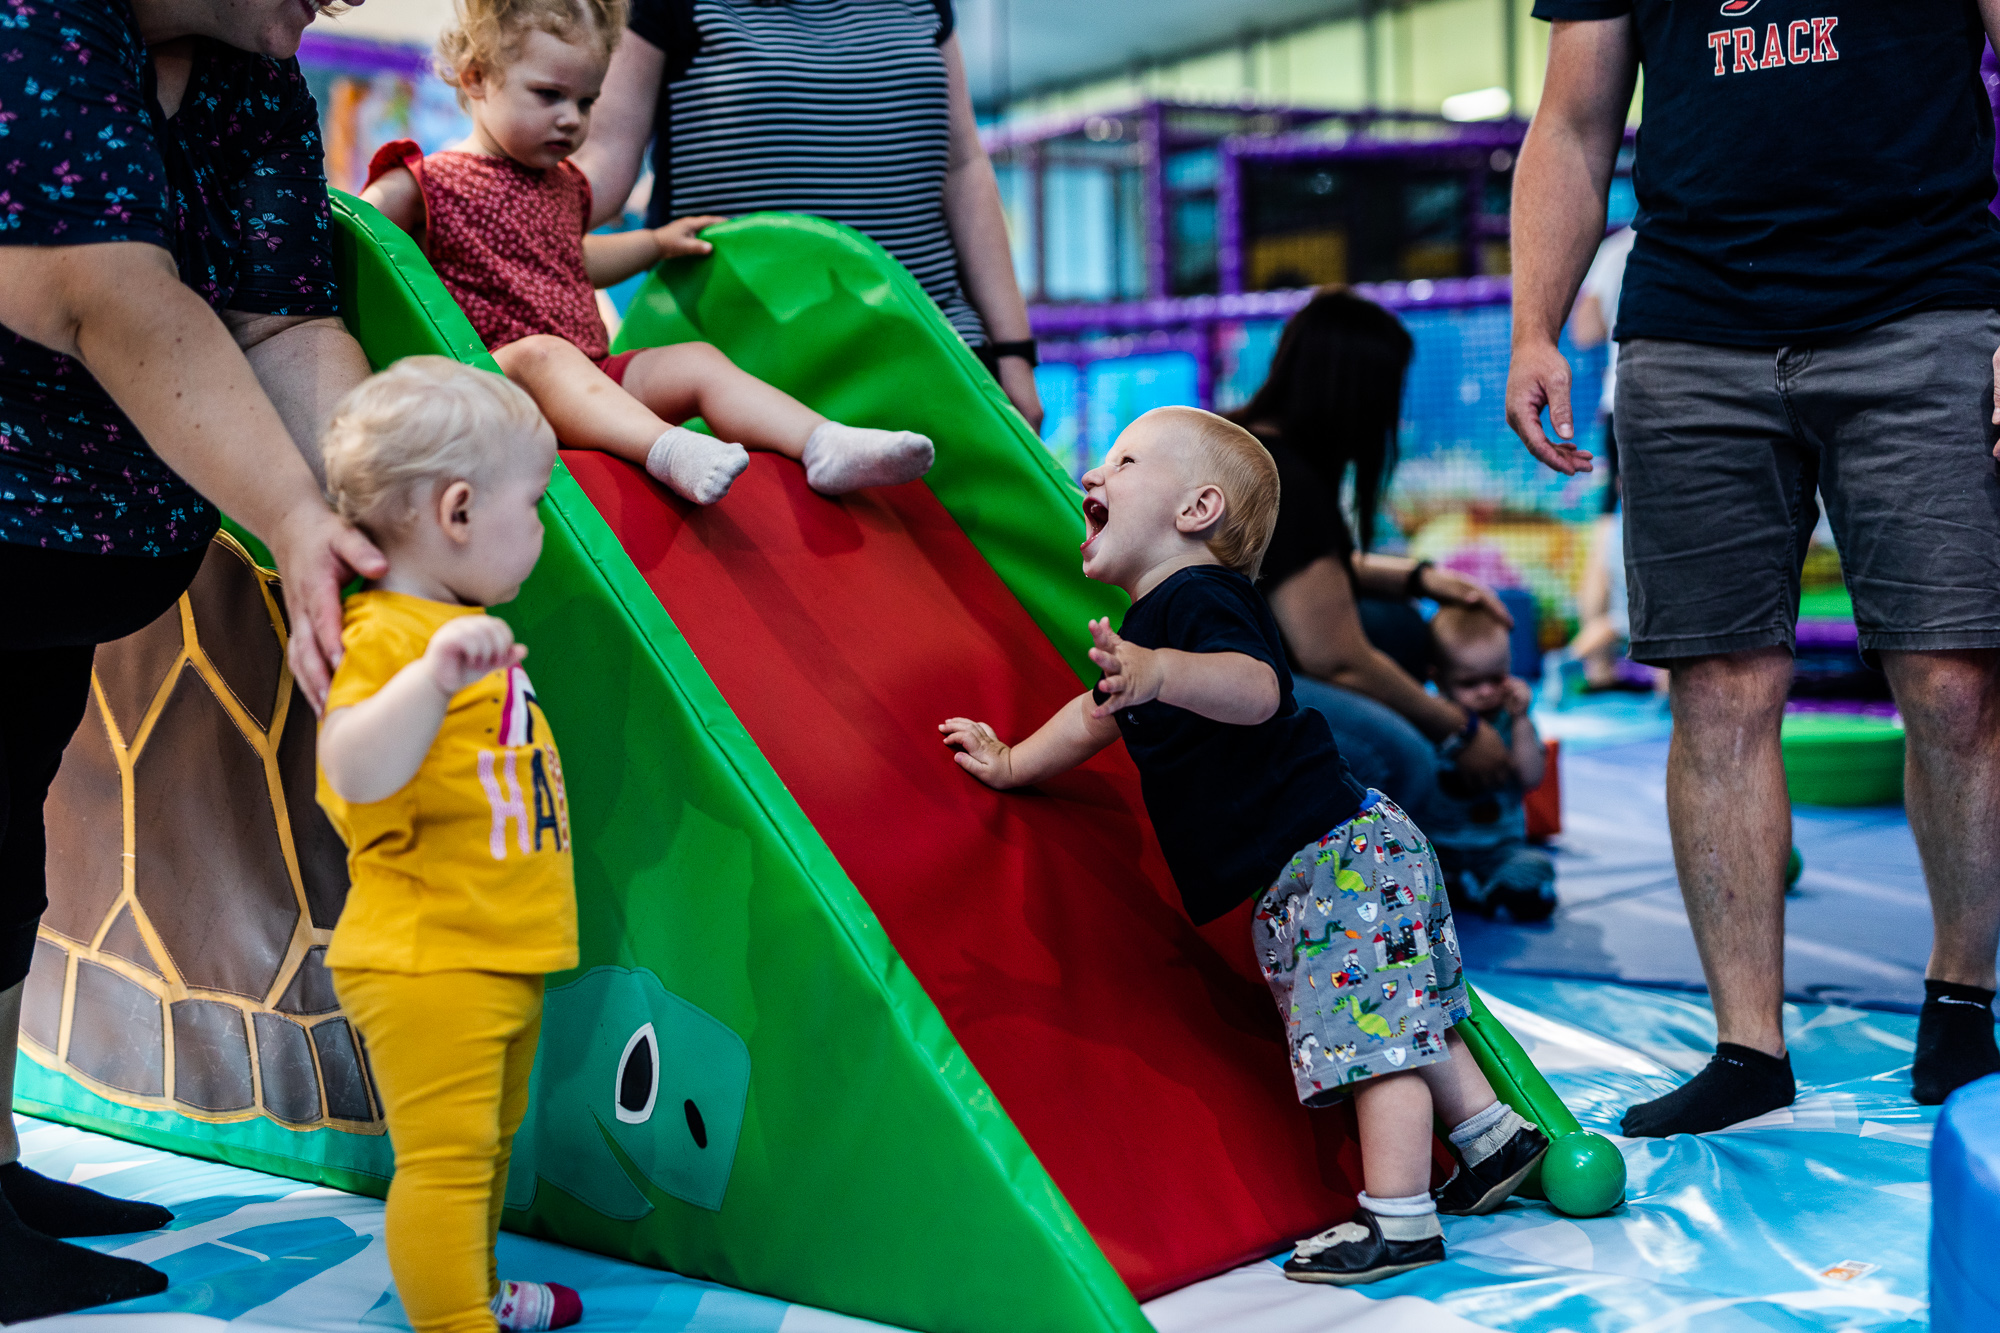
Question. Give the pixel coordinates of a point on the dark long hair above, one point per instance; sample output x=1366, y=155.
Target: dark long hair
x=1335, y=393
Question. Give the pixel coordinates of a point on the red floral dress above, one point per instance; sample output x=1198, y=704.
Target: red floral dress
x=508, y=242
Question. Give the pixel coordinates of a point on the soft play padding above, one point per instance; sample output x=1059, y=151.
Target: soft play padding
x=1843, y=759
x=870, y=1170
x=1965, y=1210
x=744, y=1080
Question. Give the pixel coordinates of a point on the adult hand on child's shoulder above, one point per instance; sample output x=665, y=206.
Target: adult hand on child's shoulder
x=468, y=648
x=682, y=237
x=1131, y=673
x=980, y=751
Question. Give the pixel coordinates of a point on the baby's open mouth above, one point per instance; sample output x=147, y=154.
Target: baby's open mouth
x=1095, y=516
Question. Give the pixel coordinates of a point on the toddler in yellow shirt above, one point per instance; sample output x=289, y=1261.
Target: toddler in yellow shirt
x=438, y=770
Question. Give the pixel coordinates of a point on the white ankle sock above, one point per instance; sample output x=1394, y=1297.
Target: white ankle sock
x=839, y=459
x=1479, y=1136
x=535, y=1307
x=1412, y=1217
x=694, y=466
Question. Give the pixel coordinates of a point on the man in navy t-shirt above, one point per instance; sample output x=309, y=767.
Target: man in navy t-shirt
x=1809, y=311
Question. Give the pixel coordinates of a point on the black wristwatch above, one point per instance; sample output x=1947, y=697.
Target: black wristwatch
x=1452, y=746
x=1413, y=586
x=1024, y=348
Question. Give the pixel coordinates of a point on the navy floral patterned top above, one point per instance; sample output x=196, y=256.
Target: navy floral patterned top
x=234, y=185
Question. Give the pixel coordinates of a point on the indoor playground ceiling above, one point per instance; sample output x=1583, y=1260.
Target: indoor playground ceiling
x=1016, y=47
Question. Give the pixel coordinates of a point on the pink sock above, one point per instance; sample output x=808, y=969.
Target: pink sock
x=535, y=1307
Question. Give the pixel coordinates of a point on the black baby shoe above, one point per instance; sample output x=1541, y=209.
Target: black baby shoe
x=1359, y=1251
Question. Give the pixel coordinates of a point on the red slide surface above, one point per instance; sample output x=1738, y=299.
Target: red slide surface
x=1141, y=1058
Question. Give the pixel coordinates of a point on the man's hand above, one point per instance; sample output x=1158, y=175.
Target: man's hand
x=1132, y=675
x=681, y=237
x=980, y=752
x=1446, y=586
x=317, y=552
x=1516, y=697
x=469, y=649
x=1539, y=377
x=1996, y=397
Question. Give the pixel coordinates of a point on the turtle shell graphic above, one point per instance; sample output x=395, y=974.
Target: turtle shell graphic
x=193, y=881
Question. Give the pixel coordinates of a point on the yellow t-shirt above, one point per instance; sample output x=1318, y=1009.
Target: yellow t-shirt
x=467, y=868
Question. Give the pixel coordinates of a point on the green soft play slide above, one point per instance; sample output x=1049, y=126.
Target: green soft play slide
x=866, y=1165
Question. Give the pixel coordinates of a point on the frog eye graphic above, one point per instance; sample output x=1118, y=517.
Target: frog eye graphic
x=638, y=1077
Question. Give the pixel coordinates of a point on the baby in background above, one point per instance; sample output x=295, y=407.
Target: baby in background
x=1250, y=799
x=438, y=770
x=503, y=215
x=1482, y=837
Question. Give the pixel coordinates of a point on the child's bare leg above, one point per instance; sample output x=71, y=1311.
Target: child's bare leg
x=588, y=411
x=694, y=379
x=1395, y=1115
x=1459, y=1089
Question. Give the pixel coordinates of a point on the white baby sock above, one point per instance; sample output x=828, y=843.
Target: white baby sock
x=1413, y=1217
x=694, y=466
x=1482, y=1135
x=839, y=459
x=535, y=1307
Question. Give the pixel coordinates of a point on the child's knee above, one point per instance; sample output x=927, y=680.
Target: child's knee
x=525, y=358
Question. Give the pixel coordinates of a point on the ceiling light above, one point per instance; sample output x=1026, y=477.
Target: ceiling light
x=1480, y=104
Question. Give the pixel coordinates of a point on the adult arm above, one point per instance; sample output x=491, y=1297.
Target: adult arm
x=1067, y=739
x=1560, y=188
x=621, y=125
x=304, y=363
x=1389, y=576
x=979, y=233
x=171, y=365
x=1315, y=612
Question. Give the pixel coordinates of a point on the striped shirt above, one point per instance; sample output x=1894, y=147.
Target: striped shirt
x=831, y=107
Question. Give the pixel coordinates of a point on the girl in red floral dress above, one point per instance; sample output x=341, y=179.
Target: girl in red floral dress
x=502, y=217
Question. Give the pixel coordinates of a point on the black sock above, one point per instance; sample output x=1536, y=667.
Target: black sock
x=1954, y=1041
x=1739, y=1084
x=56, y=1209
x=43, y=1276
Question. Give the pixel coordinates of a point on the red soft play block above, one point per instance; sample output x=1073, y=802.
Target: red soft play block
x=1544, y=805
x=1142, y=1058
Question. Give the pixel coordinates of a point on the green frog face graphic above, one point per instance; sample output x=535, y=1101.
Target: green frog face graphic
x=632, y=1086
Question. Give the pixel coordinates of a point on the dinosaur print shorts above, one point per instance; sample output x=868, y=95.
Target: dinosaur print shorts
x=1356, y=940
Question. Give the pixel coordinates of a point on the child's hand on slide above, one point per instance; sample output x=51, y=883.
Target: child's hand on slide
x=980, y=752
x=469, y=648
x=680, y=237
x=1131, y=673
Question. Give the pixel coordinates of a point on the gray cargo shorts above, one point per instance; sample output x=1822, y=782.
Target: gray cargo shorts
x=1723, y=448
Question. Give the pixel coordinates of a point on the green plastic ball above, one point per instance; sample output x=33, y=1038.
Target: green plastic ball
x=1795, y=865
x=1584, y=1174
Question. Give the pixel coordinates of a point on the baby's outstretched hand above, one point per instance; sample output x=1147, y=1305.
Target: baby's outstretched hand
x=980, y=752
x=470, y=647
x=680, y=237
x=1131, y=673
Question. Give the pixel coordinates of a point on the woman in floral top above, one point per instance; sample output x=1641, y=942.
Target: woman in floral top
x=171, y=328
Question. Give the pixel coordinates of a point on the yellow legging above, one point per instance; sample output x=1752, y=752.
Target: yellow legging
x=451, y=1053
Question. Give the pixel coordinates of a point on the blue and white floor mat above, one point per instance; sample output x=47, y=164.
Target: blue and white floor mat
x=1814, y=1218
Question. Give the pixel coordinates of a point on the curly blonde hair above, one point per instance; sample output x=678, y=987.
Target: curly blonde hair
x=427, y=420
x=488, y=33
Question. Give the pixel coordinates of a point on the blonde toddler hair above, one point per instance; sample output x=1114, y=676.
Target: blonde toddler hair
x=425, y=420
x=1237, y=464
x=488, y=33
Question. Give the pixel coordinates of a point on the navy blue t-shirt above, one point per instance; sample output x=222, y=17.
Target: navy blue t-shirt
x=1231, y=804
x=233, y=186
x=1806, y=168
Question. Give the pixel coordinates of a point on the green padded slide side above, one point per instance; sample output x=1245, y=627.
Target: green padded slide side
x=874, y=1173
x=824, y=313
